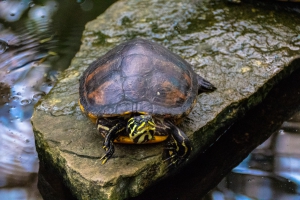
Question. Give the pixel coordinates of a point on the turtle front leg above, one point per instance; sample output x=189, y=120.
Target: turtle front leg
x=179, y=148
x=112, y=134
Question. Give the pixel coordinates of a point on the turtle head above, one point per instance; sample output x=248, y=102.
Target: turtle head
x=141, y=128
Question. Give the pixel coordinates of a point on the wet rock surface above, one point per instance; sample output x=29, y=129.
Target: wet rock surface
x=243, y=50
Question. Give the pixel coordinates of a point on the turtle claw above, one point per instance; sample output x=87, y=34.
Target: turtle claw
x=104, y=159
x=109, y=152
x=170, y=165
x=172, y=159
x=172, y=162
x=169, y=158
x=105, y=148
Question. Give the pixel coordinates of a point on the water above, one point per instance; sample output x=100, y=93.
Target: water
x=42, y=39
x=271, y=171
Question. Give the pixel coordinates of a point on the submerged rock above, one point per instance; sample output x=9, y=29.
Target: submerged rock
x=243, y=52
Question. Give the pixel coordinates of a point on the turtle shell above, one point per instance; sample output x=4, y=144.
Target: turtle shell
x=138, y=76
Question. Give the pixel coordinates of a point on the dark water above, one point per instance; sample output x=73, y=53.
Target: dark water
x=37, y=41
x=272, y=170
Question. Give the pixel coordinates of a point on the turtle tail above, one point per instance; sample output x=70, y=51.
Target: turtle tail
x=204, y=85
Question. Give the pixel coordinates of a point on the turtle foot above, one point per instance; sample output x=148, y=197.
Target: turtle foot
x=109, y=152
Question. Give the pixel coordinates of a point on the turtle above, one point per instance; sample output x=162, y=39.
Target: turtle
x=137, y=93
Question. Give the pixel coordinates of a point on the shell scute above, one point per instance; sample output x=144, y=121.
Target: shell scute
x=110, y=90
x=136, y=65
x=131, y=92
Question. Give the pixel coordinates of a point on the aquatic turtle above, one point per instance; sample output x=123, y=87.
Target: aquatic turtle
x=137, y=93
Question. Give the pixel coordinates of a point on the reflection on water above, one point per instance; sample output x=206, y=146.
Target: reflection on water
x=23, y=67
x=13, y=10
x=271, y=171
x=37, y=40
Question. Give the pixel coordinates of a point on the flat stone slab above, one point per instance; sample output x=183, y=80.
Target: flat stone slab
x=243, y=50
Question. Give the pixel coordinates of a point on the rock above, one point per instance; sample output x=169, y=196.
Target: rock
x=243, y=51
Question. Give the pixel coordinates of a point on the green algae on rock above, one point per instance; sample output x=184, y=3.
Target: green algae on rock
x=244, y=52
